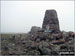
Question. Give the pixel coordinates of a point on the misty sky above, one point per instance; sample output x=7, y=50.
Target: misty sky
x=20, y=16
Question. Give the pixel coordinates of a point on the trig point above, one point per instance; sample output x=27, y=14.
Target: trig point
x=51, y=21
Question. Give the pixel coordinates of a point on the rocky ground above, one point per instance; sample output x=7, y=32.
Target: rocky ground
x=39, y=43
x=48, y=40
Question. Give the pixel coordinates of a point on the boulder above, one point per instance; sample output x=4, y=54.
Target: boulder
x=34, y=29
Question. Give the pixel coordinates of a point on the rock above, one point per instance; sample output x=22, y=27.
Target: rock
x=33, y=52
x=58, y=42
x=54, y=53
x=63, y=47
x=6, y=48
x=51, y=21
x=34, y=29
x=46, y=51
x=46, y=41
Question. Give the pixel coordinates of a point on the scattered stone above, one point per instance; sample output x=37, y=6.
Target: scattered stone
x=46, y=41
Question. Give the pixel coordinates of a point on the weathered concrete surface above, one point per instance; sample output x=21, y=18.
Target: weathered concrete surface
x=51, y=20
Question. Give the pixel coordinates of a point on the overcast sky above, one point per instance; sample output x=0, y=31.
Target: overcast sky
x=20, y=16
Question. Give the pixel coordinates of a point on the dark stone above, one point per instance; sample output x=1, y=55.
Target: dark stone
x=59, y=42
x=41, y=30
x=54, y=53
x=63, y=47
x=13, y=38
x=6, y=48
x=34, y=29
x=51, y=21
